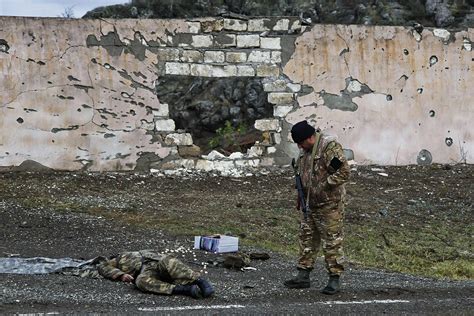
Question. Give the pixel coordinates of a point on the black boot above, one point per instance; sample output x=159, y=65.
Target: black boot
x=334, y=285
x=189, y=290
x=206, y=287
x=301, y=281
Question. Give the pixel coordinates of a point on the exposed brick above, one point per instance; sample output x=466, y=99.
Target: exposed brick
x=177, y=69
x=212, y=26
x=282, y=25
x=259, y=56
x=236, y=57
x=270, y=42
x=202, y=70
x=163, y=110
x=202, y=41
x=245, y=71
x=235, y=25
x=257, y=25
x=180, y=139
x=149, y=126
x=168, y=54
x=276, y=57
x=244, y=41
x=225, y=40
x=225, y=71
x=294, y=87
x=194, y=27
x=191, y=56
x=266, y=70
x=296, y=26
x=282, y=110
x=274, y=85
x=280, y=98
x=165, y=125
x=214, y=56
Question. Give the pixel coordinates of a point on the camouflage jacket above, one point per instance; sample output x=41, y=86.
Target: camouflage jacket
x=127, y=263
x=329, y=172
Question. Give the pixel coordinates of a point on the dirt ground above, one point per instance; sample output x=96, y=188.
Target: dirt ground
x=425, y=213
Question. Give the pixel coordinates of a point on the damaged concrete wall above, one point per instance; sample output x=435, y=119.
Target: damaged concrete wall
x=81, y=94
x=393, y=95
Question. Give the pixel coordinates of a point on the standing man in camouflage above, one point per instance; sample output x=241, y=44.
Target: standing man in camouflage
x=324, y=170
x=155, y=273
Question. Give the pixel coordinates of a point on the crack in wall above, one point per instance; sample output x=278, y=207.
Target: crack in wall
x=344, y=51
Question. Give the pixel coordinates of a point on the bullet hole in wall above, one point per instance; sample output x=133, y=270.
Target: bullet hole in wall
x=389, y=97
x=432, y=113
x=433, y=60
x=448, y=141
x=424, y=158
x=405, y=51
x=20, y=120
x=419, y=90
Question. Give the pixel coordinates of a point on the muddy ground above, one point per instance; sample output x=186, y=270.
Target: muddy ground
x=391, y=212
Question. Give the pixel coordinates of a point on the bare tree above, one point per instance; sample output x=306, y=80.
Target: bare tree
x=68, y=13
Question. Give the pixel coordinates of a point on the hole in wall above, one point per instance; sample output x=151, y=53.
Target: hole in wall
x=433, y=60
x=424, y=158
x=448, y=141
x=20, y=120
x=218, y=112
x=432, y=113
x=389, y=97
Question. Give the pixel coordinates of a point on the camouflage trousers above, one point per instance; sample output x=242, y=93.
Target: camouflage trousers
x=324, y=227
x=160, y=277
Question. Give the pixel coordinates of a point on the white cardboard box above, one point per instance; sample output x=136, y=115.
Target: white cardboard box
x=217, y=243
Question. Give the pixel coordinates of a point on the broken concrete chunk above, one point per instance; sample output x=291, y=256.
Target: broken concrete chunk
x=214, y=155
x=189, y=151
x=267, y=125
x=443, y=34
x=236, y=155
x=282, y=110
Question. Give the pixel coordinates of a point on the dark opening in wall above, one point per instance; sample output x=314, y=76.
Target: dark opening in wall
x=218, y=112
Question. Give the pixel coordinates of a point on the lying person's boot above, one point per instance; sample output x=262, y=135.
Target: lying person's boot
x=190, y=290
x=334, y=285
x=206, y=287
x=301, y=281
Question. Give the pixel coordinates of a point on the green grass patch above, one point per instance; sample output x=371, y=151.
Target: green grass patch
x=429, y=247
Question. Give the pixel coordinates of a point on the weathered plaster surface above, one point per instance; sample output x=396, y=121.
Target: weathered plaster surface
x=69, y=106
x=413, y=105
x=81, y=94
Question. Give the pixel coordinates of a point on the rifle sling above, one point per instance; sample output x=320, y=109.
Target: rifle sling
x=313, y=155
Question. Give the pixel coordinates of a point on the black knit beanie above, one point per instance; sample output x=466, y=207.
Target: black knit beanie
x=301, y=130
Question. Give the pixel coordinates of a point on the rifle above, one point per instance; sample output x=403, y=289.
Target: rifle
x=299, y=187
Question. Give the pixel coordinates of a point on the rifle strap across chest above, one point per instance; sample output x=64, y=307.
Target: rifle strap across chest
x=313, y=155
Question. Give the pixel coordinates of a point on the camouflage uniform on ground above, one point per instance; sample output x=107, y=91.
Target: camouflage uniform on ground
x=153, y=272
x=324, y=225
